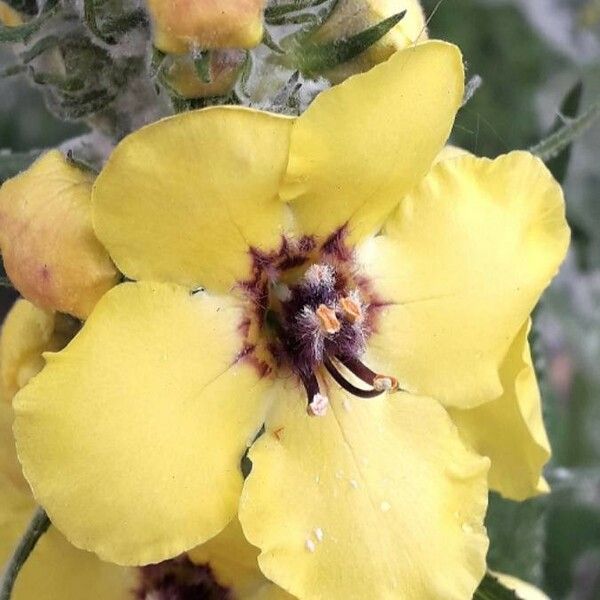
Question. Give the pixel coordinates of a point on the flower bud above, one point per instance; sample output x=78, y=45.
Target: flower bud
x=26, y=334
x=9, y=16
x=224, y=68
x=182, y=25
x=48, y=246
x=353, y=16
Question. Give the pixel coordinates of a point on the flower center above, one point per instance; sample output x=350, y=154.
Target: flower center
x=312, y=312
x=321, y=322
x=178, y=579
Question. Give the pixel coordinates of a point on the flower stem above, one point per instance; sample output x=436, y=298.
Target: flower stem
x=36, y=528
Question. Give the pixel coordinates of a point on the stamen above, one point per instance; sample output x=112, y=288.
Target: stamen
x=382, y=383
x=385, y=383
x=317, y=407
x=340, y=380
x=320, y=275
x=317, y=402
x=351, y=309
x=328, y=319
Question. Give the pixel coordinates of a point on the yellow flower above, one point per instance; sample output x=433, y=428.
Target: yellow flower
x=332, y=270
x=352, y=16
x=49, y=249
x=233, y=562
x=55, y=569
x=27, y=332
x=182, y=25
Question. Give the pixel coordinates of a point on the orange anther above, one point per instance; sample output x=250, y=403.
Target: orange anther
x=327, y=319
x=351, y=309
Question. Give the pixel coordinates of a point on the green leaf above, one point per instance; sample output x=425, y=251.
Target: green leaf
x=312, y=59
x=22, y=33
x=517, y=532
x=491, y=589
x=552, y=146
x=13, y=163
x=569, y=109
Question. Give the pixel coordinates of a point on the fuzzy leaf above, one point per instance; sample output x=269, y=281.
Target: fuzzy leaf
x=22, y=33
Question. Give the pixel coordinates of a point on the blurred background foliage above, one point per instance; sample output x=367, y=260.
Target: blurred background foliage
x=529, y=55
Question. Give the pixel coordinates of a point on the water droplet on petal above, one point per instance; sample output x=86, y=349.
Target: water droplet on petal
x=385, y=506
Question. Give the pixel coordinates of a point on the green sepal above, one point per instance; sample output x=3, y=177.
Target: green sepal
x=312, y=59
x=45, y=43
x=491, y=589
x=275, y=12
x=12, y=70
x=22, y=33
x=202, y=65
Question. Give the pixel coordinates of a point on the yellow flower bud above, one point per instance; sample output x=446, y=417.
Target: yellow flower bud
x=9, y=16
x=181, y=25
x=48, y=246
x=26, y=334
x=224, y=68
x=353, y=16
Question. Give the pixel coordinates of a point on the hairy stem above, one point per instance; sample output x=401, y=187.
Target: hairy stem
x=36, y=528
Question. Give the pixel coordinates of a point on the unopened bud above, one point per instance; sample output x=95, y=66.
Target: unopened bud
x=28, y=332
x=182, y=25
x=353, y=16
x=9, y=17
x=224, y=68
x=48, y=246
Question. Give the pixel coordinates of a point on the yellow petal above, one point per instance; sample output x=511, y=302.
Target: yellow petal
x=448, y=152
x=131, y=437
x=55, y=569
x=510, y=430
x=463, y=262
x=524, y=590
x=377, y=499
x=12, y=481
x=183, y=199
x=233, y=561
x=363, y=144
x=48, y=246
x=26, y=333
